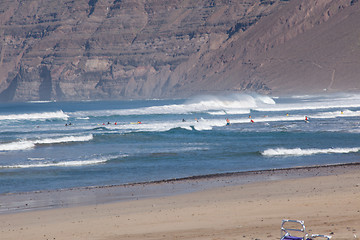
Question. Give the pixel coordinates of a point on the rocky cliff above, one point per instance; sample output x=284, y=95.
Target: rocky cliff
x=113, y=49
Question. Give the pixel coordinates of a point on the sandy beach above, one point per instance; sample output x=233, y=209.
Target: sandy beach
x=326, y=198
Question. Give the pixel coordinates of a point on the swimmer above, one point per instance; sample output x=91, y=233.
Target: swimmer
x=227, y=122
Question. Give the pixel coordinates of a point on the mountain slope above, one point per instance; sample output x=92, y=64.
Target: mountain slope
x=106, y=49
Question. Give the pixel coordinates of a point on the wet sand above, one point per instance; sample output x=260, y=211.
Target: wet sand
x=247, y=205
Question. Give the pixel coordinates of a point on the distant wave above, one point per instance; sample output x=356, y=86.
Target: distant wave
x=29, y=144
x=216, y=105
x=305, y=106
x=35, y=116
x=304, y=152
x=40, y=101
x=344, y=113
x=314, y=103
x=234, y=104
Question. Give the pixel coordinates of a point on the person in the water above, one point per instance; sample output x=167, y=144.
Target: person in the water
x=227, y=122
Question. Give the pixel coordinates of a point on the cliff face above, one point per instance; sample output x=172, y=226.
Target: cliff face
x=92, y=49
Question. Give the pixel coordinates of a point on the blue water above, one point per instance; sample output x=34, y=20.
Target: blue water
x=105, y=144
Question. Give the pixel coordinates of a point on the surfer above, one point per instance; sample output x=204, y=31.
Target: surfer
x=227, y=122
x=138, y=122
x=306, y=119
x=183, y=120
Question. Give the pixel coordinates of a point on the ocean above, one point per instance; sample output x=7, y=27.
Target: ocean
x=61, y=145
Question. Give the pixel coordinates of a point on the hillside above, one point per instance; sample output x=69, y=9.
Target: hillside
x=121, y=49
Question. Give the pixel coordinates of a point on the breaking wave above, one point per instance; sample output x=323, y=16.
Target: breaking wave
x=36, y=116
x=315, y=103
x=15, y=146
x=305, y=152
x=29, y=144
x=65, y=139
x=215, y=105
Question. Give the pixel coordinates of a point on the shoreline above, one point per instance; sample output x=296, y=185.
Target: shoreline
x=82, y=196
x=326, y=198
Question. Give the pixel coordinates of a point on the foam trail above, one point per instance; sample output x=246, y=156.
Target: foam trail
x=36, y=116
x=58, y=164
x=65, y=139
x=284, y=118
x=345, y=113
x=306, y=152
x=231, y=112
x=40, y=163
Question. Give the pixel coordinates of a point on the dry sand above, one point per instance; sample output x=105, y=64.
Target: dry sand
x=329, y=204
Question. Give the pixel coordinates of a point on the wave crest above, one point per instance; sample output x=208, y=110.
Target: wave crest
x=215, y=105
x=305, y=152
x=35, y=116
x=29, y=144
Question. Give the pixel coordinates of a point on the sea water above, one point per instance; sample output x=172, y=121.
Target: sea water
x=57, y=145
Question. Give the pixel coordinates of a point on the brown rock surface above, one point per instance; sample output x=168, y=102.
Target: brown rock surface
x=95, y=49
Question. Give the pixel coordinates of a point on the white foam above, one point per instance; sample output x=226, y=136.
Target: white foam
x=65, y=139
x=231, y=104
x=230, y=112
x=305, y=152
x=15, y=146
x=58, y=164
x=40, y=101
x=36, y=159
x=29, y=144
x=36, y=116
x=315, y=103
x=335, y=114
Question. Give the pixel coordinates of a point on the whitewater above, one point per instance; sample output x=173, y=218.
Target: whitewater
x=57, y=145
